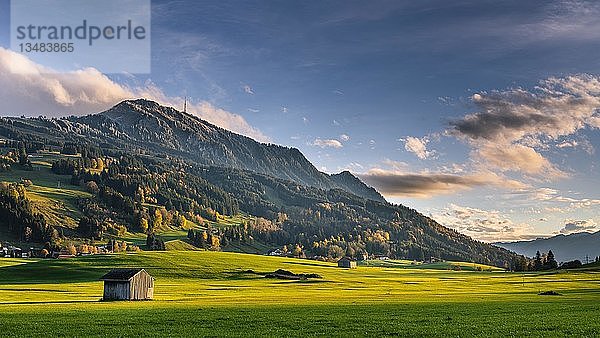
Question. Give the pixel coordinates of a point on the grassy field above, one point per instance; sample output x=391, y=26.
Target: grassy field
x=52, y=195
x=201, y=293
x=179, y=245
x=447, y=265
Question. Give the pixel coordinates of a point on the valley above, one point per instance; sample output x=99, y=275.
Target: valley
x=143, y=174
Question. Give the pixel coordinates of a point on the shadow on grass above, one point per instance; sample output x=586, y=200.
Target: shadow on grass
x=34, y=290
x=245, y=274
x=59, y=271
x=299, y=281
x=52, y=302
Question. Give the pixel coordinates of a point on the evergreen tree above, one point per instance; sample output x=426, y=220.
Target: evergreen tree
x=551, y=261
x=154, y=243
x=538, y=264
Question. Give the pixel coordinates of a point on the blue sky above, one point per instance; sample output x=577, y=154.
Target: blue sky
x=382, y=88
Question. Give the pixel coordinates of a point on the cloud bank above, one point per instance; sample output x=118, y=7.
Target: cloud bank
x=508, y=135
x=511, y=127
x=484, y=225
x=572, y=226
x=393, y=183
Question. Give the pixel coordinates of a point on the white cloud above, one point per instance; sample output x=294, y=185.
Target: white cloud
x=32, y=89
x=484, y=225
x=512, y=126
x=553, y=196
x=582, y=143
x=567, y=144
x=248, y=90
x=344, y=138
x=417, y=146
x=516, y=157
x=543, y=194
x=352, y=167
x=397, y=166
x=558, y=107
x=327, y=143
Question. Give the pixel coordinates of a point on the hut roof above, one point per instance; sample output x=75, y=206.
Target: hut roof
x=121, y=274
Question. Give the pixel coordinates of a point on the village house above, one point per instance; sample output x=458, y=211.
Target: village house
x=14, y=252
x=128, y=284
x=347, y=263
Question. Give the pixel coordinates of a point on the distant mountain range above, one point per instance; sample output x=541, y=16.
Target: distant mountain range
x=564, y=247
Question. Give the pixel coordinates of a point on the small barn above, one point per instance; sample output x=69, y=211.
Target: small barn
x=128, y=284
x=347, y=263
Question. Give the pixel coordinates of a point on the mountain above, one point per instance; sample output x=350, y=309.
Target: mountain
x=146, y=166
x=143, y=125
x=565, y=247
x=353, y=184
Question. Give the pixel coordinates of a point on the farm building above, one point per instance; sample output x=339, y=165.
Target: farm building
x=128, y=284
x=347, y=262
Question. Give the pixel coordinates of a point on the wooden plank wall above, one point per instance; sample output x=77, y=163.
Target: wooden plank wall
x=142, y=286
x=116, y=290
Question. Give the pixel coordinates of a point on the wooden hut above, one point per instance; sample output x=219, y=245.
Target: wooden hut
x=347, y=263
x=128, y=284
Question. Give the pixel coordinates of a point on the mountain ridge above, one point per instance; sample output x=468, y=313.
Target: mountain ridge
x=212, y=145
x=141, y=124
x=565, y=247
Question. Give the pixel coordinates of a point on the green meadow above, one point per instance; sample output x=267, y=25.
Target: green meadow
x=51, y=195
x=202, y=293
x=56, y=198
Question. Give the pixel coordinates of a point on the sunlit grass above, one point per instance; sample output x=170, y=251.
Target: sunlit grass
x=51, y=195
x=212, y=293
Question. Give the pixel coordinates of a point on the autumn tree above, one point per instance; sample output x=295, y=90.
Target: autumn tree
x=143, y=225
x=71, y=249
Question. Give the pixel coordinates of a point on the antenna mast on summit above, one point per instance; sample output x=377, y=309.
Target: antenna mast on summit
x=185, y=105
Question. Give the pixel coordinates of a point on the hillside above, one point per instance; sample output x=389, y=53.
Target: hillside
x=564, y=247
x=145, y=126
x=152, y=169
